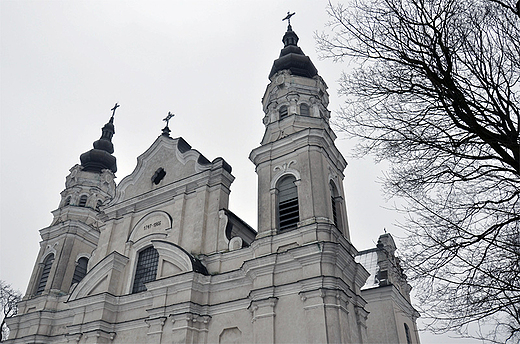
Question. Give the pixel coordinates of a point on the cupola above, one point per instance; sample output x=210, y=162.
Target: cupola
x=292, y=57
x=101, y=158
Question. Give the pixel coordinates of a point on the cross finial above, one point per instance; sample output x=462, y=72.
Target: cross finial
x=167, y=119
x=166, y=130
x=114, y=109
x=288, y=17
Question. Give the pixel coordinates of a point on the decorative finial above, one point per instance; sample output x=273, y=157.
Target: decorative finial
x=167, y=119
x=114, y=109
x=166, y=130
x=288, y=18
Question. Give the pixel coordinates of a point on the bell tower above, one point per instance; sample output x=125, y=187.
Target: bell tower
x=68, y=242
x=300, y=170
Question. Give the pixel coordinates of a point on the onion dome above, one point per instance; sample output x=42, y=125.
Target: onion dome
x=292, y=58
x=101, y=158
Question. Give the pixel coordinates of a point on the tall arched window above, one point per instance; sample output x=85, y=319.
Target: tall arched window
x=146, y=270
x=408, y=336
x=288, y=211
x=80, y=271
x=304, y=110
x=82, y=201
x=283, y=112
x=335, y=203
x=44, y=276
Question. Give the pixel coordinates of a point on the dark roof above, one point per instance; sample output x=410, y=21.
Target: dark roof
x=101, y=158
x=292, y=58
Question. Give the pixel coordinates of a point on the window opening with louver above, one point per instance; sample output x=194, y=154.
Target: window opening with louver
x=80, y=271
x=47, y=265
x=334, y=203
x=334, y=211
x=283, y=111
x=304, y=110
x=408, y=337
x=83, y=201
x=288, y=210
x=146, y=270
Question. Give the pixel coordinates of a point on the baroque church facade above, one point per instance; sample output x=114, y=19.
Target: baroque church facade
x=159, y=258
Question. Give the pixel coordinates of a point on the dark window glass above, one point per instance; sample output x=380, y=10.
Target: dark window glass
x=283, y=112
x=80, y=271
x=146, y=270
x=83, y=201
x=288, y=211
x=304, y=110
x=47, y=265
x=408, y=337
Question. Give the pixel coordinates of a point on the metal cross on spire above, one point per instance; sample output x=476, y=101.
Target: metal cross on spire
x=114, y=109
x=288, y=17
x=167, y=119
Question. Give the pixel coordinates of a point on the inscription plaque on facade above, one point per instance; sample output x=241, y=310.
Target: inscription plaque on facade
x=155, y=222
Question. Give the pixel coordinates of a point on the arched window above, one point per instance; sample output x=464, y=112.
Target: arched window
x=408, y=336
x=80, y=271
x=304, y=110
x=283, y=111
x=82, y=201
x=288, y=211
x=335, y=203
x=44, y=276
x=146, y=270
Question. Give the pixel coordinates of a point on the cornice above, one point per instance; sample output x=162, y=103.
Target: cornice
x=71, y=227
x=318, y=138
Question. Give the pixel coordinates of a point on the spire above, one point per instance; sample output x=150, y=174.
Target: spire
x=101, y=158
x=291, y=56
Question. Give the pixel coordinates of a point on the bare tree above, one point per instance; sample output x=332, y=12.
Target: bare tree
x=9, y=299
x=437, y=95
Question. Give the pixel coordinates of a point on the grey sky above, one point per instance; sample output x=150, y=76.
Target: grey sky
x=65, y=63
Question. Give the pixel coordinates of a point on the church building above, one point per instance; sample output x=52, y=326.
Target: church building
x=160, y=258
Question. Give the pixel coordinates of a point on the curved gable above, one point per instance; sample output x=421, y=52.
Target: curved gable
x=173, y=156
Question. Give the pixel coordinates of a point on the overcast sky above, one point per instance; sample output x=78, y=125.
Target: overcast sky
x=65, y=63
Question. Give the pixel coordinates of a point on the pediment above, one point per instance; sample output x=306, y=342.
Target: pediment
x=174, y=259
x=167, y=161
x=103, y=277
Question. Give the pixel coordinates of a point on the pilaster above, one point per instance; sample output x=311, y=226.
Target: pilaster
x=263, y=318
x=155, y=329
x=189, y=328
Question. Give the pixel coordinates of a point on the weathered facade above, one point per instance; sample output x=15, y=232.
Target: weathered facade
x=160, y=258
